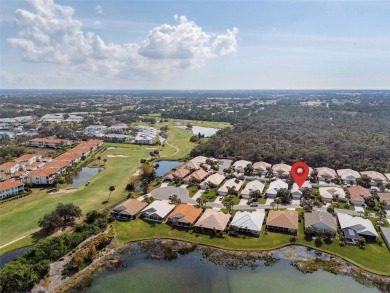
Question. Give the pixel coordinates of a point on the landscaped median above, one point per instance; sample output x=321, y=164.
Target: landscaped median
x=373, y=258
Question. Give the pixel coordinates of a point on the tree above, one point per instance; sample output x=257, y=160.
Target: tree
x=104, y=161
x=99, y=158
x=362, y=242
x=309, y=230
x=255, y=194
x=380, y=214
x=364, y=181
x=68, y=212
x=199, y=201
x=111, y=189
x=229, y=205
x=284, y=195
x=278, y=201
x=63, y=215
x=273, y=204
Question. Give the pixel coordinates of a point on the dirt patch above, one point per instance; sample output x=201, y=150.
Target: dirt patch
x=116, y=156
x=137, y=173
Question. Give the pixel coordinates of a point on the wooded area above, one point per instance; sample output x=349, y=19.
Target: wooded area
x=318, y=136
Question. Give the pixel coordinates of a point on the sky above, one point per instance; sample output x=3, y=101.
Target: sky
x=185, y=44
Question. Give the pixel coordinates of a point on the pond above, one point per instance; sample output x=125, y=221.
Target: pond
x=206, y=131
x=166, y=166
x=10, y=256
x=84, y=176
x=192, y=273
x=6, y=132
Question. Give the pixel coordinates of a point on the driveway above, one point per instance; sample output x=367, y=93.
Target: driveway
x=198, y=194
x=359, y=208
x=217, y=200
x=243, y=201
x=225, y=165
x=163, y=193
x=268, y=201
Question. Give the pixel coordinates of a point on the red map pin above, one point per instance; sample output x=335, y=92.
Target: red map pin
x=299, y=172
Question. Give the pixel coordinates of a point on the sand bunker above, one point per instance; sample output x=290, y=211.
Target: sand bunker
x=69, y=190
x=116, y=156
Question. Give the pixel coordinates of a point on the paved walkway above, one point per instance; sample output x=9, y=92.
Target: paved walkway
x=13, y=241
x=164, y=184
x=198, y=194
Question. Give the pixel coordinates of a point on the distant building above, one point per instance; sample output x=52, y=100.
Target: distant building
x=348, y=176
x=145, y=135
x=95, y=130
x=128, y=210
x=119, y=128
x=54, y=143
x=116, y=137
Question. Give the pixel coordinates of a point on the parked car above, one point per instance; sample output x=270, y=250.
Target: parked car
x=221, y=198
x=254, y=204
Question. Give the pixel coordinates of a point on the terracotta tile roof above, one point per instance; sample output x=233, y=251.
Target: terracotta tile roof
x=284, y=219
x=130, y=207
x=213, y=219
x=187, y=212
x=199, y=175
x=8, y=165
x=3, y=175
x=25, y=158
x=384, y=196
x=180, y=173
x=43, y=172
x=358, y=193
x=7, y=184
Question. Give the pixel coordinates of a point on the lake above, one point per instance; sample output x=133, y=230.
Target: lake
x=206, y=131
x=191, y=273
x=84, y=176
x=166, y=166
x=10, y=256
x=6, y=132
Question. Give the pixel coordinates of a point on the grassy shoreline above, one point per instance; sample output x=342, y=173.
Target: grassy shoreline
x=374, y=259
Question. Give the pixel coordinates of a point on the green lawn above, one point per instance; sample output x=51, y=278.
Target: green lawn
x=374, y=258
x=211, y=194
x=20, y=217
x=235, y=199
x=192, y=190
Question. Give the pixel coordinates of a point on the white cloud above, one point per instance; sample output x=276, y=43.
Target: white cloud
x=51, y=34
x=99, y=9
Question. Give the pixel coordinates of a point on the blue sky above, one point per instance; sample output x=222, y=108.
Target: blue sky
x=195, y=44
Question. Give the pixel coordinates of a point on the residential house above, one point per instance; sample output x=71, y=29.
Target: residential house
x=28, y=159
x=281, y=170
x=34, y=166
x=232, y=183
x=261, y=168
x=348, y=176
x=9, y=168
x=184, y=215
x=178, y=174
x=296, y=192
x=54, y=143
x=385, y=231
x=213, y=220
x=190, y=166
x=326, y=174
x=328, y=194
x=157, y=211
x=274, y=186
x=248, y=222
x=283, y=221
x=384, y=199
x=10, y=188
x=360, y=226
x=128, y=210
x=319, y=220
x=213, y=180
x=198, y=175
x=252, y=186
x=3, y=176
x=199, y=160
x=239, y=166
x=358, y=194
x=376, y=178
x=41, y=176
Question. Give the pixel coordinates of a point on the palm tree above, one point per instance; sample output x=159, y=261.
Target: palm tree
x=278, y=201
x=104, y=161
x=273, y=204
x=380, y=214
x=229, y=205
x=111, y=189
x=199, y=201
